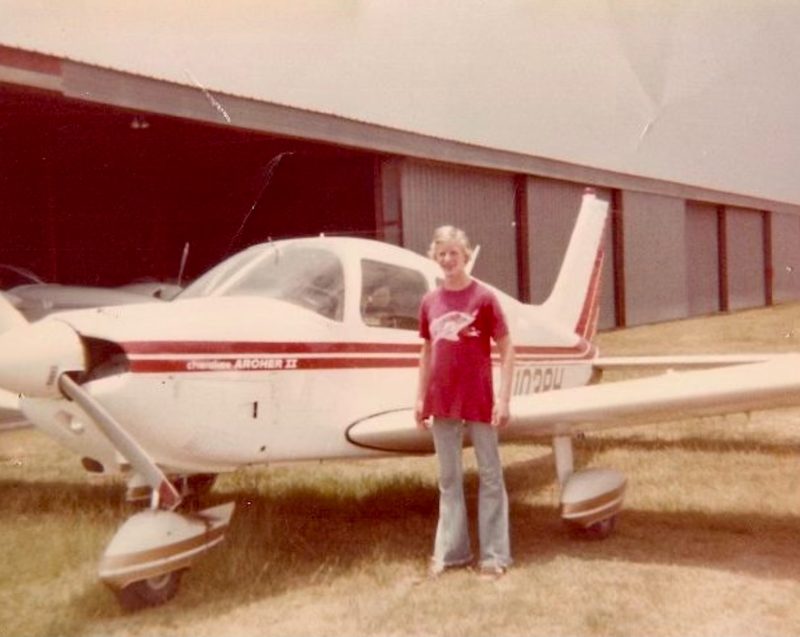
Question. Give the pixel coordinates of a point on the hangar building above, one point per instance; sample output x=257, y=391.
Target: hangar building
x=127, y=132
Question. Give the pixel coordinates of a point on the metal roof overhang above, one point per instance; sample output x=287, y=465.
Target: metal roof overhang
x=106, y=86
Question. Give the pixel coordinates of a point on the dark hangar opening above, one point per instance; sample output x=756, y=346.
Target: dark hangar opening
x=96, y=195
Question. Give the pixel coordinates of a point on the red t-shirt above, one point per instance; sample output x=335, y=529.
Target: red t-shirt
x=460, y=325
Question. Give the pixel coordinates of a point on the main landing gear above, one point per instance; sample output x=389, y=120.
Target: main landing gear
x=591, y=499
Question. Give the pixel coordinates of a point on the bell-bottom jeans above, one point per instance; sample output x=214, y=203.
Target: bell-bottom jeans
x=452, y=545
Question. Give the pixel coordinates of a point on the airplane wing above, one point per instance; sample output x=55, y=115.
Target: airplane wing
x=743, y=387
x=682, y=361
x=674, y=395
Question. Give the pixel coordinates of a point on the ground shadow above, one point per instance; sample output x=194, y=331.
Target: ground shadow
x=280, y=541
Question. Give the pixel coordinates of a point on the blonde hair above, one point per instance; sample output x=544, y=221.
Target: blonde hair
x=444, y=234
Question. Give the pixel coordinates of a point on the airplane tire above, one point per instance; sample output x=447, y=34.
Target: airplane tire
x=153, y=591
x=199, y=485
x=599, y=530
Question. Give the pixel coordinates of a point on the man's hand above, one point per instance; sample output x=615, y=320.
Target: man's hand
x=500, y=414
x=419, y=416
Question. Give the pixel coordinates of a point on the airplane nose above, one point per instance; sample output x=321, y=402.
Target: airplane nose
x=33, y=357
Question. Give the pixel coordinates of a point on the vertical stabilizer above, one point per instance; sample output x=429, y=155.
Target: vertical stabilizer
x=575, y=299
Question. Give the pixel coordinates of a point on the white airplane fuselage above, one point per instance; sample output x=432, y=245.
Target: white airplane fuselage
x=213, y=383
x=293, y=350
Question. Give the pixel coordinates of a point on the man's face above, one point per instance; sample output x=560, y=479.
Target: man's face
x=451, y=257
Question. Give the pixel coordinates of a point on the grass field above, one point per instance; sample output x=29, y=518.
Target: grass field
x=708, y=544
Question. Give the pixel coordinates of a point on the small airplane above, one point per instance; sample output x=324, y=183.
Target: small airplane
x=35, y=298
x=248, y=363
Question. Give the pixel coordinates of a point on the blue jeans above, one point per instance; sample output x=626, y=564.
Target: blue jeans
x=452, y=544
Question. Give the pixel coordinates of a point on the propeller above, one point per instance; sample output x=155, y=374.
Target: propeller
x=37, y=360
x=168, y=496
x=34, y=355
x=9, y=315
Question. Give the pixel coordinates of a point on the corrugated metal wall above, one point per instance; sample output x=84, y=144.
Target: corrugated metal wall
x=553, y=206
x=655, y=258
x=672, y=249
x=785, y=257
x=744, y=237
x=702, y=253
x=482, y=203
x=389, y=200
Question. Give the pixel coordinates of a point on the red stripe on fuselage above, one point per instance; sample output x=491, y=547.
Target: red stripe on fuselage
x=227, y=348
x=259, y=347
x=222, y=356
x=264, y=364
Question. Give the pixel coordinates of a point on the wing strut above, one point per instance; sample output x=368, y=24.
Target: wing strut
x=165, y=494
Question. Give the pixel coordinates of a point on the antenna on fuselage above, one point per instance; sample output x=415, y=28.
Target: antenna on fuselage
x=268, y=172
x=182, y=267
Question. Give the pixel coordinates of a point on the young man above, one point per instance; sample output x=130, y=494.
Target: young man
x=458, y=321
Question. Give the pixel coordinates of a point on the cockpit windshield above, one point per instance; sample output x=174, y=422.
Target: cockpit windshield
x=310, y=277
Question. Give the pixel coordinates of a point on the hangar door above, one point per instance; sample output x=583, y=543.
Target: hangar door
x=744, y=240
x=656, y=284
x=94, y=194
x=480, y=202
x=785, y=232
x=702, y=252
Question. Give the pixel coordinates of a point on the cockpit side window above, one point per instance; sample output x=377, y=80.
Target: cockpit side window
x=391, y=295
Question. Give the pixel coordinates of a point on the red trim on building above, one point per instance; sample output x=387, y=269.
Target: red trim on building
x=722, y=244
x=769, y=266
x=618, y=244
x=29, y=61
x=521, y=219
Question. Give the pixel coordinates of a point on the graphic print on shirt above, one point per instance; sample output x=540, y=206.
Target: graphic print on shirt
x=452, y=325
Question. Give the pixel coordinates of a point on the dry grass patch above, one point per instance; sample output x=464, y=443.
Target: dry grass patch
x=707, y=544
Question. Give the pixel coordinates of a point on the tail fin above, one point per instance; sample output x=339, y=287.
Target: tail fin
x=575, y=299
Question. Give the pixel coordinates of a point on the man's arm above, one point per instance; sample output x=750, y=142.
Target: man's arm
x=500, y=414
x=422, y=386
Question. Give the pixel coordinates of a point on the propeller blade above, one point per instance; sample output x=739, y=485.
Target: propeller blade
x=168, y=496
